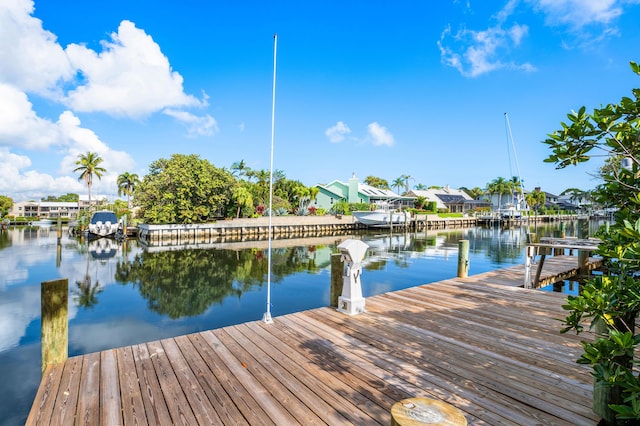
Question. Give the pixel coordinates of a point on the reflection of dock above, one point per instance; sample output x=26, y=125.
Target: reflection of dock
x=260, y=244
x=493, y=351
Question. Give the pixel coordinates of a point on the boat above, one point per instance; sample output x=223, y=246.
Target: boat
x=103, y=248
x=42, y=223
x=382, y=217
x=510, y=211
x=104, y=223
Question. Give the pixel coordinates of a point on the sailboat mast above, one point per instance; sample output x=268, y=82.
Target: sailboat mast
x=515, y=154
x=267, y=315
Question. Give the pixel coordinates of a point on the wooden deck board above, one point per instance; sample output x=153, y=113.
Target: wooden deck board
x=479, y=343
x=132, y=404
x=87, y=412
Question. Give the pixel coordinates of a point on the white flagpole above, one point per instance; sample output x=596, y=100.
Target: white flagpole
x=267, y=315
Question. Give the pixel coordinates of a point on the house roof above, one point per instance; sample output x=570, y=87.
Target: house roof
x=451, y=199
x=370, y=191
x=374, y=192
x=442, y=196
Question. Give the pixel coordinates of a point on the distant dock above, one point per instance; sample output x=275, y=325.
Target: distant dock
x=481, y=344
x=297, y=226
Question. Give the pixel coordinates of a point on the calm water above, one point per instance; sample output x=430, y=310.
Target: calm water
x=122, y=294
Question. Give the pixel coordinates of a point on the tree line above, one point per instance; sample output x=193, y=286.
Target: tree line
x=189, y=189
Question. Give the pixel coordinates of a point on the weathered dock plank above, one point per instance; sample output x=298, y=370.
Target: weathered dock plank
x=87, y=411
x=494, y=351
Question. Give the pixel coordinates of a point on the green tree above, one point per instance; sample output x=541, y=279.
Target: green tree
x=313, y=192
x=184, y=189
x=239, y=169
x=474, y=192
x=517, y=190
x=88, y=166
x=242, y=197
x=406, y=179
x=420, y=187
x=398, y=183
x=575, y=194
x=535, y=199
x=69, y=197
x=499, y=186
x=127, y=184
x=611, y=301
x=420, y=202
x=376, y=182
x=5, y=205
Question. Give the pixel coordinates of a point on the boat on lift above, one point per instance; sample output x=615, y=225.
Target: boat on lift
x=103, y=223
x=383, y=216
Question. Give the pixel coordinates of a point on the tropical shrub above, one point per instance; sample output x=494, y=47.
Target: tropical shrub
x=184, y=189
x=611, y=302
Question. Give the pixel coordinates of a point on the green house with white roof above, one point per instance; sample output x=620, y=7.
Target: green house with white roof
x=356, y=192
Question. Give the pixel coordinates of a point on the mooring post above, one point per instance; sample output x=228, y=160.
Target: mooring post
x=54, y=321
x=337, y=268
x=58, y=253
x=463, y=258
x=59, y=229
x=583, y=255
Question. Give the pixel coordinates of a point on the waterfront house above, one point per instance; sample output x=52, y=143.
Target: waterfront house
x=447, y=198
x=356, y=192
x=52, y=209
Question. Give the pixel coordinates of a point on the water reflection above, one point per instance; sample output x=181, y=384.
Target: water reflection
x=122, y=294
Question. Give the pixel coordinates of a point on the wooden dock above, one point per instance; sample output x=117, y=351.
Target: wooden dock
x=492, y=350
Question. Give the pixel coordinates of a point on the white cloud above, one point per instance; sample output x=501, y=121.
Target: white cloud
x=130, y=77
x=19, y=124
x=22, y=183
x=579, y=13
x=477, y=52
x=337, y=133
x=204, y=125
x=16, y=313
x=480, y=52
x=31, y=59
x=380, y=135
x=81, y=140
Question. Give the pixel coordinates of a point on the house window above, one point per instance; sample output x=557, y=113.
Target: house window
x=331, y=200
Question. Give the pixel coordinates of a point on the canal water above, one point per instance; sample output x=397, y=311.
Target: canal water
x=121, y=293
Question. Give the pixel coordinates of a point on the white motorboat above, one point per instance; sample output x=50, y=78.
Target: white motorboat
x=104, y=223
x=381, y=217
x=510, y=211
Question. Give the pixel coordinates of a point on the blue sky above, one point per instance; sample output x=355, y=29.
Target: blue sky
x=381, y=88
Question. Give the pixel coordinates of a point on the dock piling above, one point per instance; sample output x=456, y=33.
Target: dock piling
x=337, y=268
x=55, y=322
x=463, y=258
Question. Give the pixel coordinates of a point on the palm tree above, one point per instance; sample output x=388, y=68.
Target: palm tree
x=88, y=166
x=474, y=192
x=398, y=183
x=574, y=194
x=240, y=169
x=517, y=190
x=420, y=187
x=499, y=186
x=406, y=179
x=536, y=198
x=127, y=183
x=86, y=294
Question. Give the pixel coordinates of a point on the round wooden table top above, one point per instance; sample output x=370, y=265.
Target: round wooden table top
x=425, y=411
